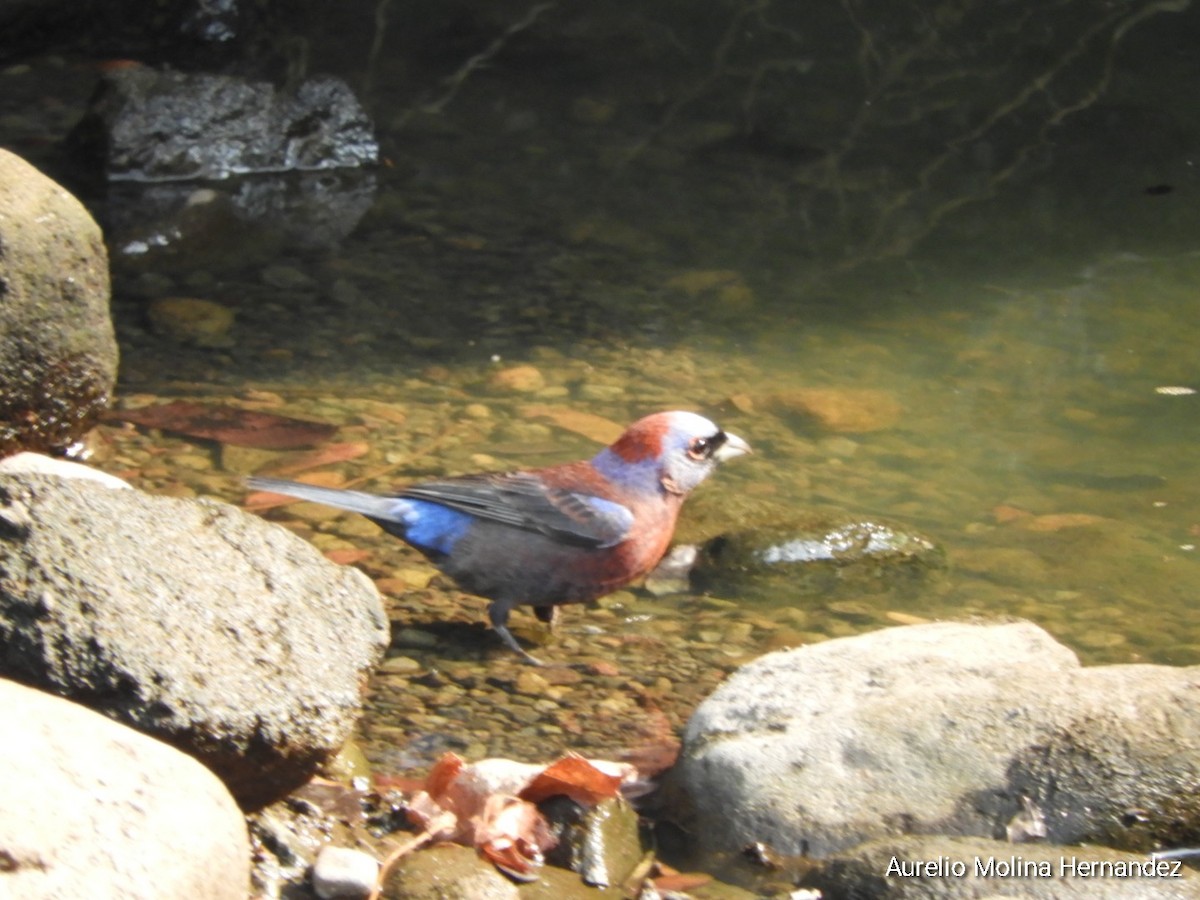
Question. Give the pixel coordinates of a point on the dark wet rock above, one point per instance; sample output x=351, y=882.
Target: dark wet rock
x=152, y=125
x=603, y=844
x=213, y=630
x=233, y=223
x=447, y=872
x=94, y=809
x=823, y=553
x=184, y=32
x=285, y=839
x=945, y=728
x=995, y=869
x=58, y=353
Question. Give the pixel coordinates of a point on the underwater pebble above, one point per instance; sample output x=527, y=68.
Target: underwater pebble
x=398, y=665
x=287, y=278
x=477, y=411
x=517, y=379
x=414, y=638
x=192, y=320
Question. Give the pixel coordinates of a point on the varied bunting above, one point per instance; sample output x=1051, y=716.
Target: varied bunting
x=563, y=534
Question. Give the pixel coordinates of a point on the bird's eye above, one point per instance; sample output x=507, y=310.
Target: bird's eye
x=700, y=448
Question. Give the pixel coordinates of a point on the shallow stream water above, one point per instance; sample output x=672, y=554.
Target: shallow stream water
x=1004, y=317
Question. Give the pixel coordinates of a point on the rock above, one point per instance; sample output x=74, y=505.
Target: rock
x=852, y=410
x=94, y=809
x=191, y=320
x=342, y=872
x=151, y=125
x=447, y=872
x=517, y=380
x=554, y=883
x=602, y=844
x=941, y=728
x=826, y=554
x=58, y=353
x=49, y=465
x=944, y=868
x=233, y=224
x=192, y=621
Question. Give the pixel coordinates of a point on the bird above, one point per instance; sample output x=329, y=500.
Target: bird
x=566, y=533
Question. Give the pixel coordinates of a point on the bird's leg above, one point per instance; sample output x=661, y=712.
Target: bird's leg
x=498, y=614
x=551, y=615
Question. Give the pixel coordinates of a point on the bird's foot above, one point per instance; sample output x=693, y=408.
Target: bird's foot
x=506, y=636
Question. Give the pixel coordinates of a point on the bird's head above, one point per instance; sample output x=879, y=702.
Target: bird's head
x=672, y=451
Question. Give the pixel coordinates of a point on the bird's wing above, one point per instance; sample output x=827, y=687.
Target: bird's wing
x=523, y=500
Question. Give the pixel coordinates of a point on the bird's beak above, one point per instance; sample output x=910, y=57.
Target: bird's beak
x=733, y=446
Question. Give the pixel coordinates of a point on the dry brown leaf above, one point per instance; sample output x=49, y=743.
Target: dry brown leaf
x=443, y=774
x=490, y=804
x=681, y=882
x=577, y=778
x=323, y=456
x=513, y=835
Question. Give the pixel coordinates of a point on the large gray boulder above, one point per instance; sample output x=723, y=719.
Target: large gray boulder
x=161, y=125
x=945, y=868
x=58, y=352
x=94, y=809
x=214, y=630
x=942, y=728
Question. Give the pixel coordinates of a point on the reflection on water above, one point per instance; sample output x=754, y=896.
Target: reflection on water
x=990, y=366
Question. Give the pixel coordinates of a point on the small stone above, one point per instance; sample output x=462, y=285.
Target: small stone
x=191, y=320
x=287, y=278
x=414, y=638
x=415, y=578
x=592, y=111
x=400, y=665
x=517, y=379
x=531, y=684
x=844, y=410
x=448, y=871
x=341, y=872
x=601, y=392
x=477, y=411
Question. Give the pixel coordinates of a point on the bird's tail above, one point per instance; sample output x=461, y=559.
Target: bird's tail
x=387, y=509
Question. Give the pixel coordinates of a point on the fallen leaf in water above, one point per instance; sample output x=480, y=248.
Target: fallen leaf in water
x=655, y=754
x=1059, y=521
x=1006, y=512
x=597, y=428
x=228, y=425
x=322, y=456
